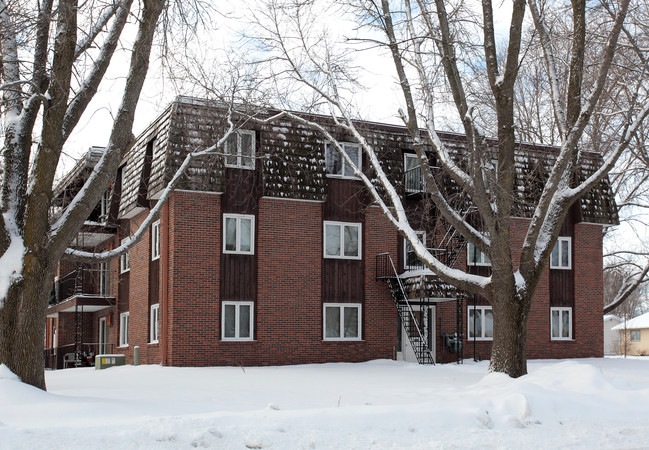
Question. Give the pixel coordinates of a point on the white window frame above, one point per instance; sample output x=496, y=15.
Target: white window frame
x=125, y=259
x=104, y=279
x=632, y=333
x=414, y=156
x=240, y=157
x=483, y=323
x=237, y=315
x=155, y=240
x=154, y=324
x=344, y=168
x=341, y=309
x=559, y=247
x=482, y=260
x=562, y=310
x=408, y=247
x=104, y=206
x=341, y=226
x=123, y=329
x=238, y=218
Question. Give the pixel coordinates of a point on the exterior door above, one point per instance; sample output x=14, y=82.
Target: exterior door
x=103, y=336
x=426, y=320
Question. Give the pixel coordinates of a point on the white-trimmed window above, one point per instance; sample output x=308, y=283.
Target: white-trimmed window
x=125, y=260
x=480, y=323
x=561, y=323
x=342, y=240
x=342, y=322
x=410, y=259
x=561, y=256
x=240, y=150
x=123, y=329
x=237, y=321
x=475, y=257
x=412, y=173
x=103, y=278
x=155, y=240
x=154, y=329
x=239, y=234
x=635, y=335
x=104, y=206
x=336, y=164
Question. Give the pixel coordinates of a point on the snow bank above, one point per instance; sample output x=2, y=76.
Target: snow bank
x=378, y=404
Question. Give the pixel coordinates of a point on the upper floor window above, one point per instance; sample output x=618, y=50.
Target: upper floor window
x=239, y=234
x=412, y=173
x=104, y=206
x=155, y=240
x=411, y=261
x=342, y=321
x=561, y=257
x=342, y=240
x=475, y=257
x=125, y=260
x=480, y=322
x=561, y=323
x=240, y=150
x=103, y=278
x=237, y=320
x=336, y=164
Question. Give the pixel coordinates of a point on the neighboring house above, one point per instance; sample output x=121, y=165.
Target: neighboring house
x=611, y=336
x=273, y=253
x=634, y=334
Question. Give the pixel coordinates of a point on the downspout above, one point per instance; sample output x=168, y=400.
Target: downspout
x=164, y=338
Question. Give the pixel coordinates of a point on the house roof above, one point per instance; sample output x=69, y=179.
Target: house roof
x=292, y=160
x=636, y=323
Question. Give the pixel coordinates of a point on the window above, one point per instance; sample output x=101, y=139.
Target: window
x=336, y=165
x=412, y=173
x=342, y=321
x=237, y=321
x=240, y=150
x=104, y=206
x=475, y=257
x=103, y=278
x=560, y=257
x=125, y=259
x=123, y=329
x=561, y=323
x=480, y=323
x=239, y=234
x=411, y=261
x=155, y=240
x=635, y=335
x=342, y=240
x=155, y=320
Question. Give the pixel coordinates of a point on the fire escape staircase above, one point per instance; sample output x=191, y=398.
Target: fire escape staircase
x=416, y=335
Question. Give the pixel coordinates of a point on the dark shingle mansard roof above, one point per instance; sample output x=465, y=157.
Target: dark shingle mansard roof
x=292, y=160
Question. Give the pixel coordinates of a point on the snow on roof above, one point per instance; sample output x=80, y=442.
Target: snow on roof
x=634, y=324
x=612, y=317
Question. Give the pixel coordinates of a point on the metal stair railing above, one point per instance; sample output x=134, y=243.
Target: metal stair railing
x=406, y=313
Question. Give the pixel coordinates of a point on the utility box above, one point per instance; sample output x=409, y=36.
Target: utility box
x=105, y=361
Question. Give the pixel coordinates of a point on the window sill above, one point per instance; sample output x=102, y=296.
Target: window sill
x=237, y=340
x=154, y=343
x=477, y=339
x=343, y=177
x=239, y=167
x=123, y=346
x=352, y=258
x=230, y=252
x=342, y=340
x=560, y=268
x=562, y=339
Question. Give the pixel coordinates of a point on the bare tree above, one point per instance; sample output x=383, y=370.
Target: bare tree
x=54, y=57
x=423, y=36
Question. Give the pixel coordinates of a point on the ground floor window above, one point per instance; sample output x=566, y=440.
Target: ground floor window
x=480, y=321
x=561, y=323
x=123, y=329
x=155, y=319
x=635, y=335
x=237, y=321
x=342, y=321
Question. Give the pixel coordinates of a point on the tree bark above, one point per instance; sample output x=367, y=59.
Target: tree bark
x=509, y=350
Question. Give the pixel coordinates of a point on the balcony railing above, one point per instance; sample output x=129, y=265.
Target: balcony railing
x=413, y=181
x=85, y=279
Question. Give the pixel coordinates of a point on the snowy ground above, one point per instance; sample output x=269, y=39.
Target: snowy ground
x=380, y=404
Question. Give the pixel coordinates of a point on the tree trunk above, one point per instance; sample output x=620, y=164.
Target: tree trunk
x=509, y=351
x=23, y=333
